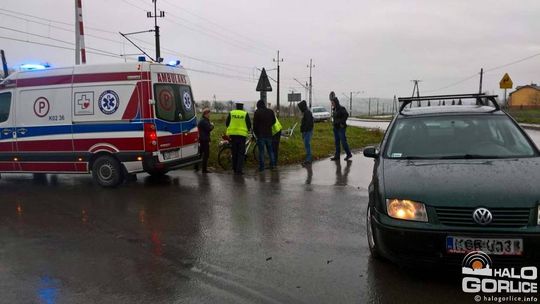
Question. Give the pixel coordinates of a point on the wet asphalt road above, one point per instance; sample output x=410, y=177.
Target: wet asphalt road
x=290, y=236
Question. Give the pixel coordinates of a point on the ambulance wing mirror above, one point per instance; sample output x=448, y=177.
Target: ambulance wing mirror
x=151, y=102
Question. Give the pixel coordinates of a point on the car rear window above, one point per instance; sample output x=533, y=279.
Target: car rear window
x=458, y=137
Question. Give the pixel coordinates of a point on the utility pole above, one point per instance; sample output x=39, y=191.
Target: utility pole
x=156, y=28
x=416, y=89
x=310, y=66
x=481, y=79
x=278, y=60
x=80, y=50
x=350, y=97
x=369, y=106
x=394, y=105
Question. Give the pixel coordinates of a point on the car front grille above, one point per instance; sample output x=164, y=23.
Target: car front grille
x=502, y=217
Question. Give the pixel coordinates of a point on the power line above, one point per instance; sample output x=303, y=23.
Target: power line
x=170, y=52
x=486, y=71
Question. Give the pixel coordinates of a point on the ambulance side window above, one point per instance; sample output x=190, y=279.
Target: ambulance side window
x=5, y=106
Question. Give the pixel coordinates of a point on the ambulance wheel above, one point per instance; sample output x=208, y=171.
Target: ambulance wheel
x=107, y=171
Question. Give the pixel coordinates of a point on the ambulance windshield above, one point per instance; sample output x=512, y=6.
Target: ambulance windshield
x=174, y=102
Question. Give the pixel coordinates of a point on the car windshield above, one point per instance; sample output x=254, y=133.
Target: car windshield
x=318, y=110
x=457, y=137
x=174, y=103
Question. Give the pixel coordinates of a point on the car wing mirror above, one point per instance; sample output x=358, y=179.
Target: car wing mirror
x=180, y=116
x=371, y=152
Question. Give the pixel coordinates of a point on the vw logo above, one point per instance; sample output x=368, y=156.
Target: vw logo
x=482, y=216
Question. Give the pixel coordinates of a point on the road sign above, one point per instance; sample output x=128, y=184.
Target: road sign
x=506, y=82
x=294, y=97
x=264, y=84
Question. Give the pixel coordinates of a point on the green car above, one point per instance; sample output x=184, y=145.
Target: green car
x=448, y=180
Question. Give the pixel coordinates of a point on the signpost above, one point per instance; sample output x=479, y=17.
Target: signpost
x=292, y=98
x=264, y=85
x=506, y=83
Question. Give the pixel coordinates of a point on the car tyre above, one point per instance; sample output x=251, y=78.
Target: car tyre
x=371, y=236
x=107, y=171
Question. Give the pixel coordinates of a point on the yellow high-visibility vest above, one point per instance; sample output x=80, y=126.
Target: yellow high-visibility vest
x=237, y=125
x=276, y=127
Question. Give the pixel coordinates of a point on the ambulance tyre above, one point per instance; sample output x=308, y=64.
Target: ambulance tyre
x=107, y=171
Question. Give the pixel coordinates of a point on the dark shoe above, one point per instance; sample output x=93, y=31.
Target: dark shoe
x=348, y=157
x=334, y=158
x=206, y=171
x=306, y=163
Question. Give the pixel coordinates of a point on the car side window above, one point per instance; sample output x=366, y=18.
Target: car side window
x=5, y=106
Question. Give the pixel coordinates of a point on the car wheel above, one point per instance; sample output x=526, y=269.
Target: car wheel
x=371, y=236
x=107, y=171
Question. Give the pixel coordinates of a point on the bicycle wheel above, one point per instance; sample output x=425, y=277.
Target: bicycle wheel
x=225, y=157
x=255, y=153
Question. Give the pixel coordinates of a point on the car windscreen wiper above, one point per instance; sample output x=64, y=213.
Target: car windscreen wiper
x=470, y=156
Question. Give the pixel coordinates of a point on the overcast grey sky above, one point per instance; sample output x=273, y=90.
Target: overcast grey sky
x=371, y=46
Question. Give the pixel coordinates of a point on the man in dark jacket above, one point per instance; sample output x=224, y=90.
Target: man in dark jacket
x=263, y=120
x=205, y=127
x=339, y=120
x=306, y=128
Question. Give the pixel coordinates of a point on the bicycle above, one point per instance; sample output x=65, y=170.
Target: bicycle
x=225, y=151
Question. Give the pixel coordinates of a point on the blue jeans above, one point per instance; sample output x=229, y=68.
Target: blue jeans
x=261, y=144
x=340, y=138
x=306, y=136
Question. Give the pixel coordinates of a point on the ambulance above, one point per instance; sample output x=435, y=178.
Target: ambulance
x=108, y=120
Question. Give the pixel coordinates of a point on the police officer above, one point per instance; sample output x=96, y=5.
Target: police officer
x=238, y=126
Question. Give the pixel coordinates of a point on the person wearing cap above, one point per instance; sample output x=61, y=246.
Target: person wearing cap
x=306, y=128
x=263, y=121
x=205, y=127
x=339, y=121
x=238, y=126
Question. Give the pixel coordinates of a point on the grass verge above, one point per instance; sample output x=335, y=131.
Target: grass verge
x=291, y=150
x=531, y=116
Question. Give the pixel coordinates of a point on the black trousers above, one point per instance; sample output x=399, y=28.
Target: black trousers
x=275, y=145
x=238, y=146
x=205, y=153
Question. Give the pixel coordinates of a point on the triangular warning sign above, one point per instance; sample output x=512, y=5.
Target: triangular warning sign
x=506, y=82
x=264, y=84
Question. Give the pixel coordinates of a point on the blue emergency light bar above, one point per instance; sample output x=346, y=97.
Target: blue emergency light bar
x=32, y=67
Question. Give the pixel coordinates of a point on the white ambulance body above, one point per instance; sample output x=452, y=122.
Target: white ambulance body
x=110, y=120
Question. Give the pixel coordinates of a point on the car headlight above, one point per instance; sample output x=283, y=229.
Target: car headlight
x=538, y=215
x=406, y=210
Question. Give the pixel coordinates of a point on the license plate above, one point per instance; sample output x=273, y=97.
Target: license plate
x=171, y=155
x=489, y=246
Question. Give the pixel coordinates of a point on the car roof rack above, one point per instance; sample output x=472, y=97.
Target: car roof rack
x=405, y=101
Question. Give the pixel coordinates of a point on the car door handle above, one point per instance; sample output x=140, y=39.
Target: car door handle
x=22, y=131
x=6, y=132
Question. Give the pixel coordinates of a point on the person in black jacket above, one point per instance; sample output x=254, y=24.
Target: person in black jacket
x=306, y=128
x=205, y=127
x=339, y=120
x=263, y=120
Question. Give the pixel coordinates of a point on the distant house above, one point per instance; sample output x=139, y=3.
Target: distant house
x=525, y=97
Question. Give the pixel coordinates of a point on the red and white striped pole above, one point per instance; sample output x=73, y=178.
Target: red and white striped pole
x=80, y=50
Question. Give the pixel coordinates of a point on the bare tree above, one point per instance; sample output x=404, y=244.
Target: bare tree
x=205, y=104
x=219, y=106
